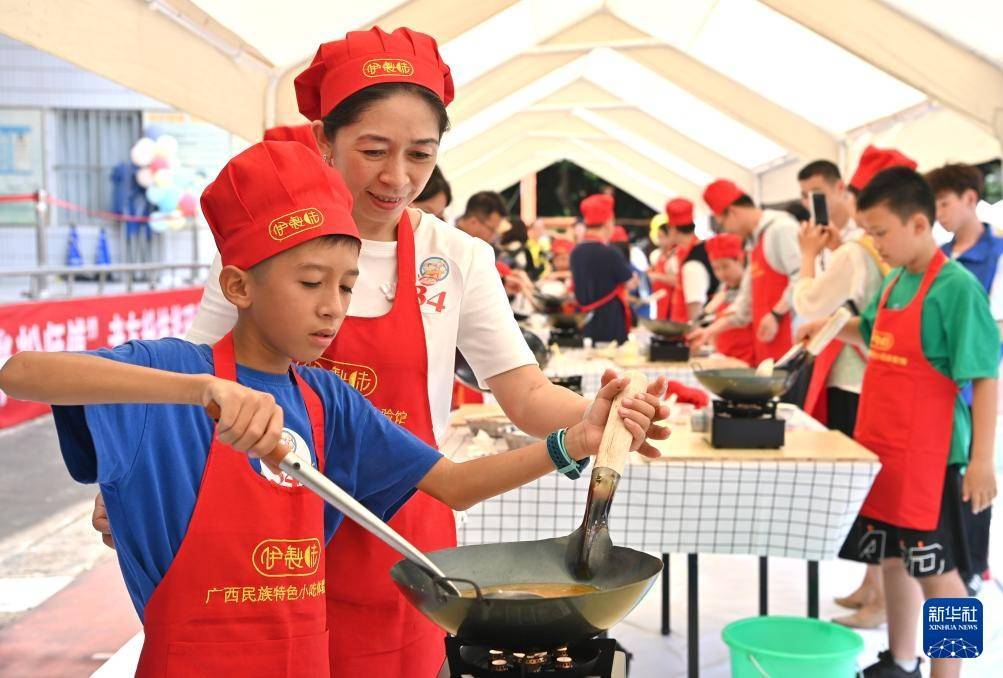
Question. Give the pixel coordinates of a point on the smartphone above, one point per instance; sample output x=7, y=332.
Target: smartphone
x=819, y=210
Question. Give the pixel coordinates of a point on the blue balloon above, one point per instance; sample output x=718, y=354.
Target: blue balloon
x=153, y=132
x=155, y=194
x=169, y=200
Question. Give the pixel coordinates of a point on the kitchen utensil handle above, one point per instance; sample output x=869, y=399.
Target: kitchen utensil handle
x=829, y=330
x=327, y=490
x=615, y=445
x=347, y=504
x=792, y=353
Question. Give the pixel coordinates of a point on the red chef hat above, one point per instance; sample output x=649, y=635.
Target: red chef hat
x=561, y=246
x=720, y=194
x=597, y=209
x=725, y=246
x=300, y=133
x=363, y=58
x=273, y=197
x=875, y=159
x=680, y=212
x=619, y=235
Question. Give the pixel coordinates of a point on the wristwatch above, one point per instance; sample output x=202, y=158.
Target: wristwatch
x=562, y=460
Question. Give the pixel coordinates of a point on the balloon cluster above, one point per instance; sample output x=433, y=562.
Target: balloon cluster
x=171, y=188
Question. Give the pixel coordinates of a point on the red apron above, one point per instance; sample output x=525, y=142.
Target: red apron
x=736, y=342
x=663, y=305
x=677, y=310
x=906, y=416
x=244, y=595
x=768, y=288
x=374, y=630
x=619, y=292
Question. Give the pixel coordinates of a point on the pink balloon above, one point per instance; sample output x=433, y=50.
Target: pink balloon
x=187, y=205
x=158, y=163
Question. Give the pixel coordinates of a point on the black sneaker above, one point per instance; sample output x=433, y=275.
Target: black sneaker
x=886, y=667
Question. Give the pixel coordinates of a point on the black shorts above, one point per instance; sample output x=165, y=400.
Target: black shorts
x=925, y=552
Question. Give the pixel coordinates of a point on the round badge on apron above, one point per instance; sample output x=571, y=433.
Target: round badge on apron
x=295, y=443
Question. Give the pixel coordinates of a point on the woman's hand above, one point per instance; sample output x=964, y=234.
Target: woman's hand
x=637, y=413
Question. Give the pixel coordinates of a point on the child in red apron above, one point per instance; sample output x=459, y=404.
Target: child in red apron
x=929, y=331
x=727, y=259
x=662, y=283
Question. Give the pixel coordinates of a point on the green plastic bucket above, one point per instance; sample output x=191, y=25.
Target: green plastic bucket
x=791, y=647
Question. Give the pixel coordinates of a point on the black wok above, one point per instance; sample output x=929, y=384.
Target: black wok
x=465, y=374
x=742, y=385
x=666, y=328
x=526, y=623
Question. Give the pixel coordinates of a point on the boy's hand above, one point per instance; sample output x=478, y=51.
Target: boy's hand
x=249, y=421
x=979, y=485
x=637, y=414
x=99, y=521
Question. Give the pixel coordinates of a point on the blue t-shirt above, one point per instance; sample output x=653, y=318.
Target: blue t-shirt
x=149, y=459
x=596, y=270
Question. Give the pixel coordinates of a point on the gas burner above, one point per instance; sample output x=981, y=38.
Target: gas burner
x=738, y=425
x=668, y=349
x=595, y=658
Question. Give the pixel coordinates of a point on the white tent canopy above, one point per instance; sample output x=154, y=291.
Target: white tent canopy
x=657, y=97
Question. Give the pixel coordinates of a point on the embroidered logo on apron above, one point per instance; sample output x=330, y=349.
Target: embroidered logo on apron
x=286, y=557
x=360, y=377
x=294, y=441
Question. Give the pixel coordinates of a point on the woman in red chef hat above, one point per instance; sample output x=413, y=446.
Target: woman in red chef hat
x=377, y=102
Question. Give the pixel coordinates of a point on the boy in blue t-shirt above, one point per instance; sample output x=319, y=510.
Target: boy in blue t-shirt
x=958, y=189
x=217, y=550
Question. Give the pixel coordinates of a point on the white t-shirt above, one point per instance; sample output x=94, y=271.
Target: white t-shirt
x=850, y=273
x=472, y=313
x=696, y=282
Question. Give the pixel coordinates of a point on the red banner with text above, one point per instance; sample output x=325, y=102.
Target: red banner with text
x=88, y=323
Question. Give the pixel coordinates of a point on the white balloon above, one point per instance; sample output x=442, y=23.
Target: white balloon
x=142, y=152
x=167, y=146
x=144, y=177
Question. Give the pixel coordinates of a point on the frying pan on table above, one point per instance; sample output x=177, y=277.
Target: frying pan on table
x=666, y=328
x=743, y=385
x=465, y=374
